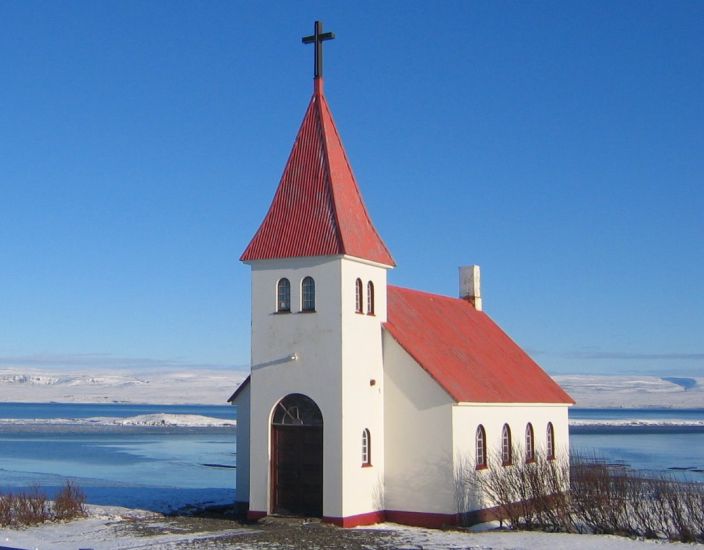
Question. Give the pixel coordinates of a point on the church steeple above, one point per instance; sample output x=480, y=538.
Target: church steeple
x=317, y=209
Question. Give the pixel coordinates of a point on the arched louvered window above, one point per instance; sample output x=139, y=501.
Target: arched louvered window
x=480, y=445
x=366, y=448
x=530, y=445
x=308, y=294
x=506, y=445
x=283, y=296
x=358, y=298
x=370, y=298
x=550, y=441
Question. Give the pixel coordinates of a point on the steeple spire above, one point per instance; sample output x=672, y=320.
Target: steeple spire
x=317, y=209
x=317, y=39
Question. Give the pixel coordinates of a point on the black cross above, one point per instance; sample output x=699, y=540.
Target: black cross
x=317, y=38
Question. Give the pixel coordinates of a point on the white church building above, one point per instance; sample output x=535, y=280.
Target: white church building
x=364, y=398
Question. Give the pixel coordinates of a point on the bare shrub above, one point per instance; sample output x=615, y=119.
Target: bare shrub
x=527, y=495
x=70, y=502
x=609, y=499
x=7, y=506
x=30, y=507
x=591, y=496
x=598, y=495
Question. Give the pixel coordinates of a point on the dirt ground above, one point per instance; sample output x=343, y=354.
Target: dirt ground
x=217, y=528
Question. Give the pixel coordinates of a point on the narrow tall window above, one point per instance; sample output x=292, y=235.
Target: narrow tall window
x=358, y=299
x=366, y=448
x=308, y=294
x=550, y=441
x=506, y=445
x=283, y=296
x=530, y=448
x=370, y=298
x=480, y=443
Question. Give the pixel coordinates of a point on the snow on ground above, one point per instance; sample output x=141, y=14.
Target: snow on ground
x=624, y=392
x=103, y=530
x=175, y=420
x=417, y=538
x=192, y=387
x=112, y=528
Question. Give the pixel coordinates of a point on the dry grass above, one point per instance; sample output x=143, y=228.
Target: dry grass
x=592, y=496
x=32, y=507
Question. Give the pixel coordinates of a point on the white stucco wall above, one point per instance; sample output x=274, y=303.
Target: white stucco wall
x=466, y=417
x=418, y=436
x=363, y=381
x=337, y=352
x=242, y=404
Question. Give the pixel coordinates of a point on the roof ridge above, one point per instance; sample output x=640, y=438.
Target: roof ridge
x=433, y=294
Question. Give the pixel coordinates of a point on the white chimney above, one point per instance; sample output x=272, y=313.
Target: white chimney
x=470, y=285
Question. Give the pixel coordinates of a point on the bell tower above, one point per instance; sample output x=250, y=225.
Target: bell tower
x=319, y=272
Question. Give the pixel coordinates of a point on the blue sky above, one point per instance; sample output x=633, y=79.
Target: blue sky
x=560, y=145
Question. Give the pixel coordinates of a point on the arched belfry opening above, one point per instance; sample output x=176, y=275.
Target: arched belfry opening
x=297, y=457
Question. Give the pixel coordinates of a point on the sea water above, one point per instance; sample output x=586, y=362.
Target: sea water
x=656, y=441
x=153, y=467
x=165, y=467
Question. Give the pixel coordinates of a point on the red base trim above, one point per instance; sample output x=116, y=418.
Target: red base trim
x=421, y=519
x=254, y=515
x=369, y=518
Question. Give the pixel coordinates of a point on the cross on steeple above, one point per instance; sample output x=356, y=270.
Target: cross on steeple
x=317, y=38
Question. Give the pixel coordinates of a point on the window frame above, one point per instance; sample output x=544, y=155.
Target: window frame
x=308, y=294
x=480, y=461
x=283, y=284
x=530, y=443
x=550, y=441
x=370, y=298
x=506, y=448
x=366, y=448
x=358, y=296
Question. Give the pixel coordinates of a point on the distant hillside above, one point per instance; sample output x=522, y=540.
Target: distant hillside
x=633, y=391
x=100, y=386
x=213, y=387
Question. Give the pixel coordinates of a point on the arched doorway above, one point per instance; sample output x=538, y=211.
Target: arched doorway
x=297, y=457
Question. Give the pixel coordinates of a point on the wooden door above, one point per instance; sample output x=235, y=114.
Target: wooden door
x=297, y=470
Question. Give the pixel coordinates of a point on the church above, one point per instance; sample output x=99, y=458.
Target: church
x=365, y=398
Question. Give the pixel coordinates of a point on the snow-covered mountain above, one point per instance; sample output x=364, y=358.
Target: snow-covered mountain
x=210, y=387
x=633, y=391
x=215, y=386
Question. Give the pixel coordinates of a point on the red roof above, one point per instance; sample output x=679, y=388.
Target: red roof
x=466, y=352
x=317, y=209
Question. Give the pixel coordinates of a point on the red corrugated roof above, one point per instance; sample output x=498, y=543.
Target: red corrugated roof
x=317, y=209
x=471, y=358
